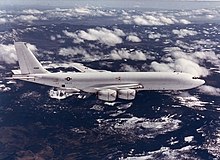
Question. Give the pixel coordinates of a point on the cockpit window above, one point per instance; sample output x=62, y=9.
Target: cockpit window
x=195, y=77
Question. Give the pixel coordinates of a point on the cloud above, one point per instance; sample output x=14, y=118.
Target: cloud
x=184, y=21
x=32, y=11
x=76, y=53
x=128, y=68
x=209, y=90
x=199, y=14
x=127, y=54
x=4, y=88
x=149, y=18
x=161, y=67
x=116, y=54
x=27, y=18
x=205, y=42
x=184, y=58
x=152, y=19
x=154, y=35
x=73, y=35
x=178, y=60
x=77, y=12
x=190, y=67
x=30, y=15
x=8, y=54
x=53, y=38
x=180, y=65
x=196, y=56
x=101, y=35
x=72, y=51
x=184, y=32
x=190, y=62
x=133, y=38
x=3, y=20
x=83, y=11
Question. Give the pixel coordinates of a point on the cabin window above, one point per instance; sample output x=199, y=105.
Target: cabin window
x=63, y=85
x=195, y=77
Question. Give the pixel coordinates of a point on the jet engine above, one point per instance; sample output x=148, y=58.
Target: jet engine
x=127, y=94
x=107, y=95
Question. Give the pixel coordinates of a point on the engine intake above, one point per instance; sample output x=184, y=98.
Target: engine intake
x=127, y=94
x=107, y=95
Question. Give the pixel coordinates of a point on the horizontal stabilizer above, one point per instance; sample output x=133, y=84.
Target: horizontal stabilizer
x=18, y=71
x=20, y=77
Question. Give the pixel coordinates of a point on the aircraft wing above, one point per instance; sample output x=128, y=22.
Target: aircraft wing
x=119, y=86
x=80, y=67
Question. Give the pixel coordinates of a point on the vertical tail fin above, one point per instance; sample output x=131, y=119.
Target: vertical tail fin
x=27, y=61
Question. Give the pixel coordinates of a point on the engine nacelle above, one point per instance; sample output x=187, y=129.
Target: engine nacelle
x=127, y=94
x=107, y=95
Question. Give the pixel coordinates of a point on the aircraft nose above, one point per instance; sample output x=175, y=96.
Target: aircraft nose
x=199, y=82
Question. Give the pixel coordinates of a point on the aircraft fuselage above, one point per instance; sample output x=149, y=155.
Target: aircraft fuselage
x=91, y=82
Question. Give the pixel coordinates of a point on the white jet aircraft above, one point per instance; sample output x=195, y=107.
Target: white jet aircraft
x=107, y=85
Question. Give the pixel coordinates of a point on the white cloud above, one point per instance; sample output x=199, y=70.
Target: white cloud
x=76, y=52
x=118, y=32
x=154, y=35
x=128, y=68
x=210, y=90
x=72, y=51
x=180, y=65
x=77, y=12
x=184, y=32
x=152, y=19
x=7, y=53
x=161, y=67
x=133, y=38
x=101, y=35
x=202, y=14
x=210, y=16
x=73, y=35
x=178, y=60
x=91, y=35
x=205, y=42
x=190, y=67
x=3, y=20
x=198, y=57
x=83, y=11
x=4, y=88
x=115, y=54
x=69, y=34
x=127, y=54
x=27, y=18
x=184, y=21
x=53, y=38
x=32, y=11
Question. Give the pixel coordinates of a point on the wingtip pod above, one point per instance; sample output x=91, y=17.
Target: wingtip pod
x=27, y=61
